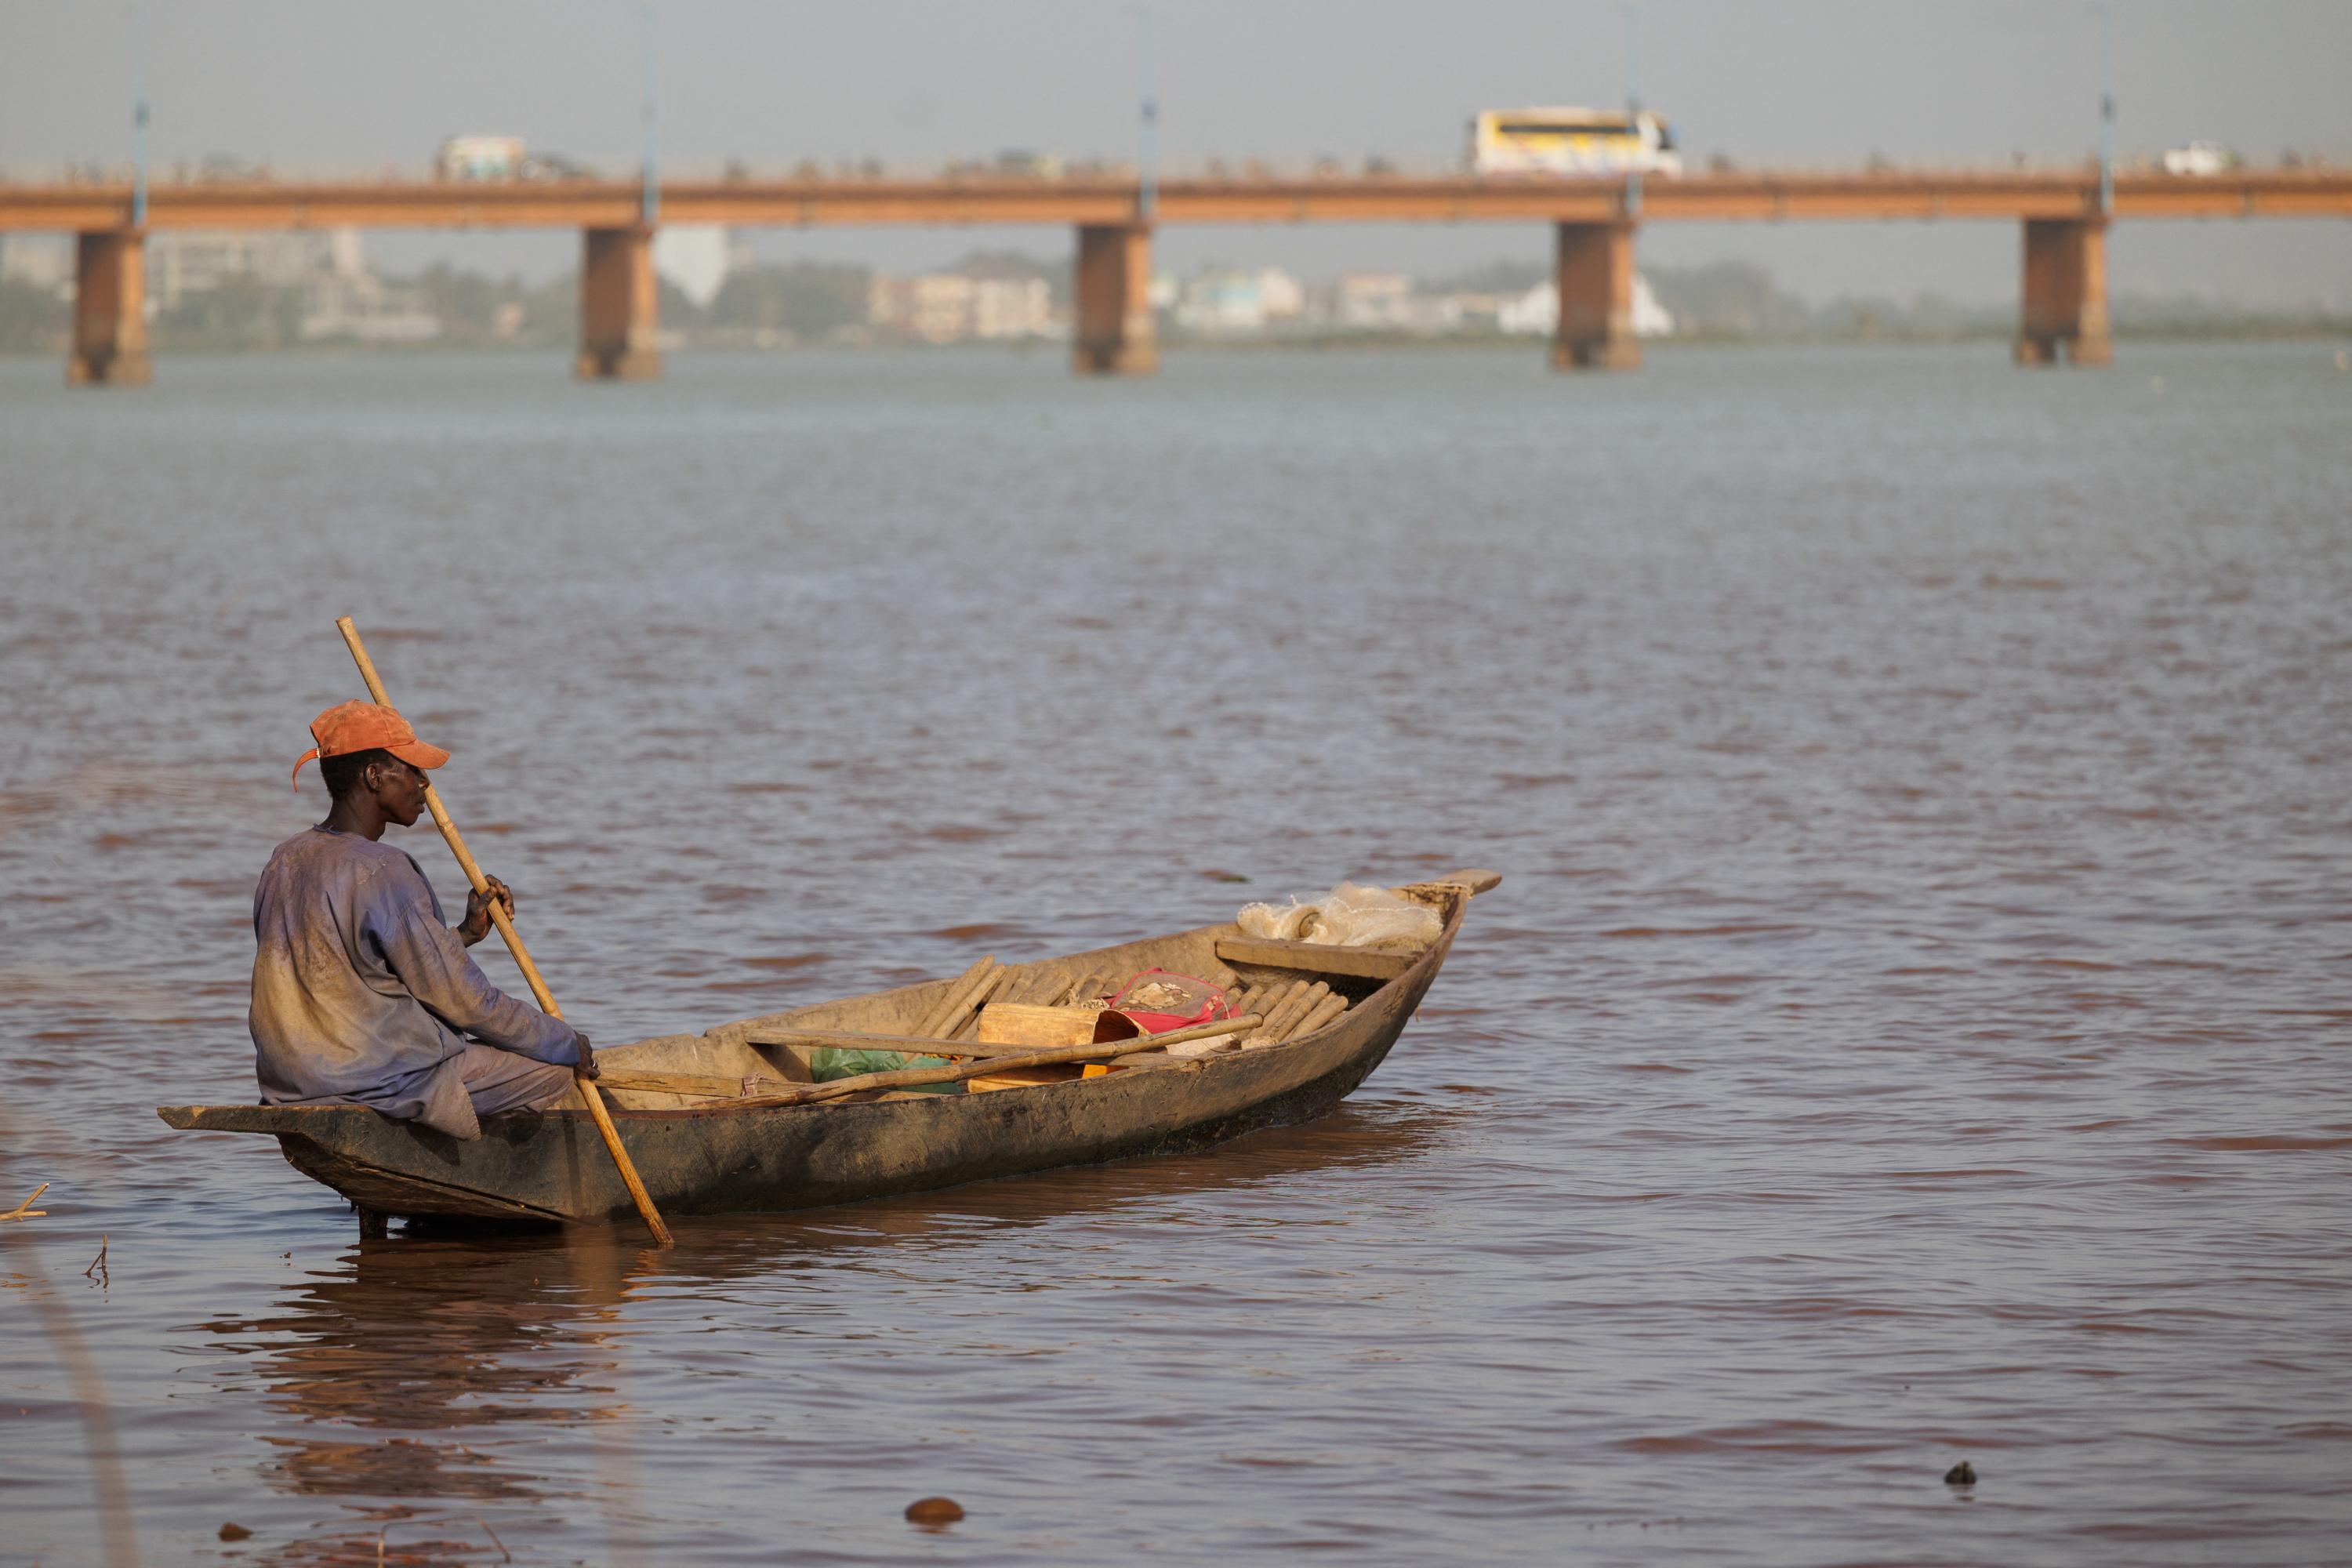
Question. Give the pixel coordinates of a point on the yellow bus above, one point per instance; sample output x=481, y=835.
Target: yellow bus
x=1571, y=141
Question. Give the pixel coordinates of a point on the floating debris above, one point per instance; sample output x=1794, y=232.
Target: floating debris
x=234, y=1532
x=1960, y=1475
x=935, y=1510
x=25, y=1209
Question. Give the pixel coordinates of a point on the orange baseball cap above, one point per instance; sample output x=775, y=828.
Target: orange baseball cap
x=351, y=727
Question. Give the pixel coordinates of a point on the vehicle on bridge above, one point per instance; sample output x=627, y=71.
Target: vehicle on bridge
x=1571, y=141
x=498, y=159
x=2204, y=159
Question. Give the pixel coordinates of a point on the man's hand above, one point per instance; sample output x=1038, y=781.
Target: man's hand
x=476, y=924
x=586, y=1065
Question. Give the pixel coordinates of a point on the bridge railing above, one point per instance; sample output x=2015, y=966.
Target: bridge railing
x=82, y=174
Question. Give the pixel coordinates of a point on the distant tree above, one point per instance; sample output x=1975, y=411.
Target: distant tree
x=33, y=320
x=551, y=312
x=465, y=303
x=1494, y=278
x=1737, y=298
x=807, y=299
x=240, y=312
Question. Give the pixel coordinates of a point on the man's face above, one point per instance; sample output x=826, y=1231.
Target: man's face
x=399, y=790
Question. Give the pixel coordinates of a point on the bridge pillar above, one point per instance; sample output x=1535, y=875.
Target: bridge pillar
x=1113, y=332
x=2066, y=292
x=110, y=318
x=1595, y=274
x=620, y=306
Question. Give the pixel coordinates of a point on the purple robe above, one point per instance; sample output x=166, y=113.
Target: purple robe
x=363, y=995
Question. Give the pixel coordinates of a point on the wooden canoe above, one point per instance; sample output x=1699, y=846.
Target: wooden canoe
x=700, y=1154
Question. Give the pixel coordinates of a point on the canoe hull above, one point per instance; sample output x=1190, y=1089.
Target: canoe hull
x=553, y=1167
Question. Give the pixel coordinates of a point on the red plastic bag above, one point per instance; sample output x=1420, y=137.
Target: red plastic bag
x=1158, y=1000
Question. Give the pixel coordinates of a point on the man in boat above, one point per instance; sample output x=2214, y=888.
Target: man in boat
x=361, y=993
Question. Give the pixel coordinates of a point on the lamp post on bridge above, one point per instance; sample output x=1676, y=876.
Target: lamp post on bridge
x=1634, y=109
x=139, y=117
x=2064, y=296
x=620, y=297
x=2106, y=109
x=650, y=203
x=1147, y=131
x=109, y=347
x=1111, y=329
x=1592, y=264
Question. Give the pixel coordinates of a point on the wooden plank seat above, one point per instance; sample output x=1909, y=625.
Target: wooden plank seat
x=1315, y=957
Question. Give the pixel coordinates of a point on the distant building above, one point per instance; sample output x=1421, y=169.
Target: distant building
x=42, y=260
x=935, y=307
x=1011, y=307
x=1533, y=314
x=182, y=261
x=364, y=309
x=1284, y=296
x=1225, y=303
x=1651, y=319
x=1371, y=300
x=1476, y=312
x=950, y=308
x=1385, y=302
x=341, y=296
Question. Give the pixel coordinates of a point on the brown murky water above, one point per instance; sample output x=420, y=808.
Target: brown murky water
x=1912, y=1029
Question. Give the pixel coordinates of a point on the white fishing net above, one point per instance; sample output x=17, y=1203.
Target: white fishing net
x=1349, y=915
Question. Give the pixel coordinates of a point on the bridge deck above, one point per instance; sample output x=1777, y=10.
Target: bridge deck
x=1712, y=197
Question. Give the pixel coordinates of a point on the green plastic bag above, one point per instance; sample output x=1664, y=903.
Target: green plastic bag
x=827, y=1063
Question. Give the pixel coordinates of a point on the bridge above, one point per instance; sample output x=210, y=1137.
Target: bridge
x=2064, y=217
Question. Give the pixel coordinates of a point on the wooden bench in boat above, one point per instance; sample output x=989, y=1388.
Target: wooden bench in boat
x=1315, y=957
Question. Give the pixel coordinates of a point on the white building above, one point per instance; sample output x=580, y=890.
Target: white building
x=1371, y=300
x=197, y=260
x=1227, y=303
x=950, y=308
x=1283, y=296
x=697, y=257
x=1011, y=307
x=365, y=309
x=1386, y=302
x=184, y=261
x=1534, y=314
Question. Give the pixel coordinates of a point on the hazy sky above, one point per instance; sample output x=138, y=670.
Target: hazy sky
x=317, y=86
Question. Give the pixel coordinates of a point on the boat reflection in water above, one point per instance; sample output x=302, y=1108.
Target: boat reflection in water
x=438, y=1381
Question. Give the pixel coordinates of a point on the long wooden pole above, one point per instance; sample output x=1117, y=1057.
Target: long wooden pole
x=499, y=918
x=914, y=1078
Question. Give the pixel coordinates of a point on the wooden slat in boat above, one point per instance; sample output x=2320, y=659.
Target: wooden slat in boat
x=701, y=1156
x=1315, y=957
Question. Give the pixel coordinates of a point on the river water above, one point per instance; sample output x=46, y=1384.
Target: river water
x=1911, y=1028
